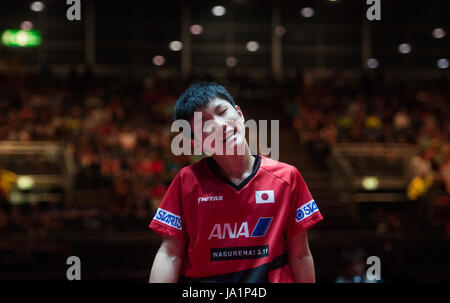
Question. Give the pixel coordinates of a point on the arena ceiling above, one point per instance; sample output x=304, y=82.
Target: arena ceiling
x=132, y=33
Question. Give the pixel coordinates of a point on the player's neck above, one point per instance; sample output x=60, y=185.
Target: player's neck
x=235, y=167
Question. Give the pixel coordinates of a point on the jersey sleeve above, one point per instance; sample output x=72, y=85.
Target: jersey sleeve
x=168, y=218
x=304, y=212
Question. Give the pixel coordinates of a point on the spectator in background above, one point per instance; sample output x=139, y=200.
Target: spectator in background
x=401, y=125
x=444, y=170
x=354, y=267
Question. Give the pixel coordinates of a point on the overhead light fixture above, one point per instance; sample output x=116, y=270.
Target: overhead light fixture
x=26, y=25
x=175, y=46
x=219, y=10
x=442, y=63
x=252, y=46
x=25, y=182
x=370, y=183
x=404, y=48
x=196, y=29
x=159, y=60
x=372, y=63
x=280, y=30
x=307, y=12
x=438, y=33
x=231, y=61
x=37, y=6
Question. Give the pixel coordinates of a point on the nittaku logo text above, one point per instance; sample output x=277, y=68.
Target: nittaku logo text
x=210, y=198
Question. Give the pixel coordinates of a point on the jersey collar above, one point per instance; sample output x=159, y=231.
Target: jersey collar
x=214, y=168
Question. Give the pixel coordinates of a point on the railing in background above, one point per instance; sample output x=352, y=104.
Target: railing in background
x=38, y=171
x=371, y=172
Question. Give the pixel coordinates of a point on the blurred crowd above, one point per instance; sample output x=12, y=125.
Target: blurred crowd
x=379, y=110
x=119, y=131
x=331, y=112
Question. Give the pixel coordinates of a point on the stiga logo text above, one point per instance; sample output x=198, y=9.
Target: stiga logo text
x=306, y=210
x=236, y=230
x=168, y=218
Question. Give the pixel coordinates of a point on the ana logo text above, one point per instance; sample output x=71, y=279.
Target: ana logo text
x=236, y=230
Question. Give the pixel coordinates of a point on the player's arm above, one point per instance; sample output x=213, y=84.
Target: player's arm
x=300, y=258
x=167, y=263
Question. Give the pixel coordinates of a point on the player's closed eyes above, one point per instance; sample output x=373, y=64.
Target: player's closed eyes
x=223, y=112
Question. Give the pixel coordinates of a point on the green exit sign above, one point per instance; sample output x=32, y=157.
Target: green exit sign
x=21, y=38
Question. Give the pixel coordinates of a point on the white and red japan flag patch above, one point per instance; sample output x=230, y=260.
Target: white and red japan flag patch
x=264, y=196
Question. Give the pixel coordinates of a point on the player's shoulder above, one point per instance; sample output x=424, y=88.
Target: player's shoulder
x=194, y=170
x=282, y=170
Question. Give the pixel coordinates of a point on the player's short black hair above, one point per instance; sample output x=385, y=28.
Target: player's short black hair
x=198, y=96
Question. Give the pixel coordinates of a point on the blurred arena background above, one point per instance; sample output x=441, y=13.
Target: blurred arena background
x=86, y=108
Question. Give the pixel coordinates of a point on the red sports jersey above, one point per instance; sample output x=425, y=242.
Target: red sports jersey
x=236, y=233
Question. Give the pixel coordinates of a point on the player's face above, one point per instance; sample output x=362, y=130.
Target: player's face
x=219, y=117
